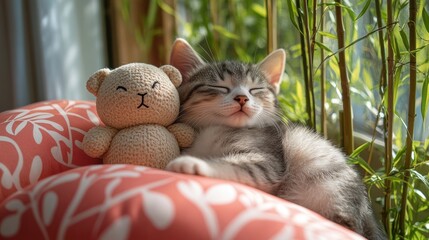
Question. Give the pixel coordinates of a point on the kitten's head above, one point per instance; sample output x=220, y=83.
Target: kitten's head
x=227, y=93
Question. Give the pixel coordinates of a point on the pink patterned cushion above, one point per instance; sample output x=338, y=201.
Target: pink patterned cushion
x=43, y=139
x=134, y=202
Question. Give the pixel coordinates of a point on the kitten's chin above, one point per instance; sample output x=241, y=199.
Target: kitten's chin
x=238, y=119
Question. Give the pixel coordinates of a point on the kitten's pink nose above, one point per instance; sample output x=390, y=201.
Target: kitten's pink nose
x=241, y=99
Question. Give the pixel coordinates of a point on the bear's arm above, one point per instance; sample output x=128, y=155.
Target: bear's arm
x=184, y=134
x=97, y=141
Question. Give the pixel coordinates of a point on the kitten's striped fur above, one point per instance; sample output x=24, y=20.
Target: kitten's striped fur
x=241, y=137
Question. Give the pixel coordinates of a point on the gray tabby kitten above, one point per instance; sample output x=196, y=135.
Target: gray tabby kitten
x=241, y=137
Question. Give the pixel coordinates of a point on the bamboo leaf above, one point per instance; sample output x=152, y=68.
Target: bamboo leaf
x=425, y=97
x=360, y=149
x=420, y=194
x=323, y=46
x=225, y=32
x=259, y=9
x=404, y=38
x=326, y=34
x=364, y=9
x=394, y=179
x=348, y=9
x=166, y=8
x=292, y=13
x=362, y=163
x=421, y=177
x=425, y=19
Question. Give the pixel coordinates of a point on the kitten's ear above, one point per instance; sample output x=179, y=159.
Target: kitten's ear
x=184, y=58
x=273, y=67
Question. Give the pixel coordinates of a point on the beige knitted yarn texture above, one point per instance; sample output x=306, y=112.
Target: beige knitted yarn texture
x=138, y=103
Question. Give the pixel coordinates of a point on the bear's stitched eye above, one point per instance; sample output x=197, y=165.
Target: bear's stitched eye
x=122, y=88
x=154, y=84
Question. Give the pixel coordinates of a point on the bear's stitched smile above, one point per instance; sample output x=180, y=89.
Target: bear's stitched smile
x=142, y=104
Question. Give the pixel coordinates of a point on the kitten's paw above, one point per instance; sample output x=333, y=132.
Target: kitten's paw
x=190, y=165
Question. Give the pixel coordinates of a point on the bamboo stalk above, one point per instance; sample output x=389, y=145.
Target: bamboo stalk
x=390, y=112
x=313, y=27
x=168, y=30
x=382, y=90
x=323, y=120
x=215, y=21
x=310, y=53
x=271, y=6
x=383, y=82
x=411, y=115
x=308, y=103
x=383, y=77
x=374, y=131
x=347, y=107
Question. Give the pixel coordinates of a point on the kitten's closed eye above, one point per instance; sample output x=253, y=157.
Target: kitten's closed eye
x=255, y=91
x=221, y=89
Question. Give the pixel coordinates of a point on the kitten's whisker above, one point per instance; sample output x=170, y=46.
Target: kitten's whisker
x=213, y=57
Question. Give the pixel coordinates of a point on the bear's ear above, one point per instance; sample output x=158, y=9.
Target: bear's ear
x=173, y=73
x=94, y=82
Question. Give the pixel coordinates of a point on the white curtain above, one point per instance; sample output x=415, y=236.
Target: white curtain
x=49, y=48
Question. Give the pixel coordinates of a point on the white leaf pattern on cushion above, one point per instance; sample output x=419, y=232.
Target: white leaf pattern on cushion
x=57, y=154
x=111, y=186
x=193, y=191
x=59, y=180
x=190, y=189
x=37, y=135
x=35, y=116
x=93, y=118
x=83, y=106
x=283, y=211
x=50, y=123
x=10, y=225
x=43, y=108
x=300, y=219
x=286, y=233
x=14, y=205
x=247, y=216
x=118, y=230
x=49, y=205
x=37, y=128
x=158, y=208
x=35, y=169
x=78, y=144
x=120, y=174
x=17, y=129
x=221, y=194
x=6, y=179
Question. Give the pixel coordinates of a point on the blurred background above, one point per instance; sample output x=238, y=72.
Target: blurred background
x=49, y=48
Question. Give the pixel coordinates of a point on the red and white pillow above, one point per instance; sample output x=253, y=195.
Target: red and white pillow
x=50, y=196
x=43, y=139
x=134, y=202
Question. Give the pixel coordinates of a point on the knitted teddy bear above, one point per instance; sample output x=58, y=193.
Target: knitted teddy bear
x=138, y=103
